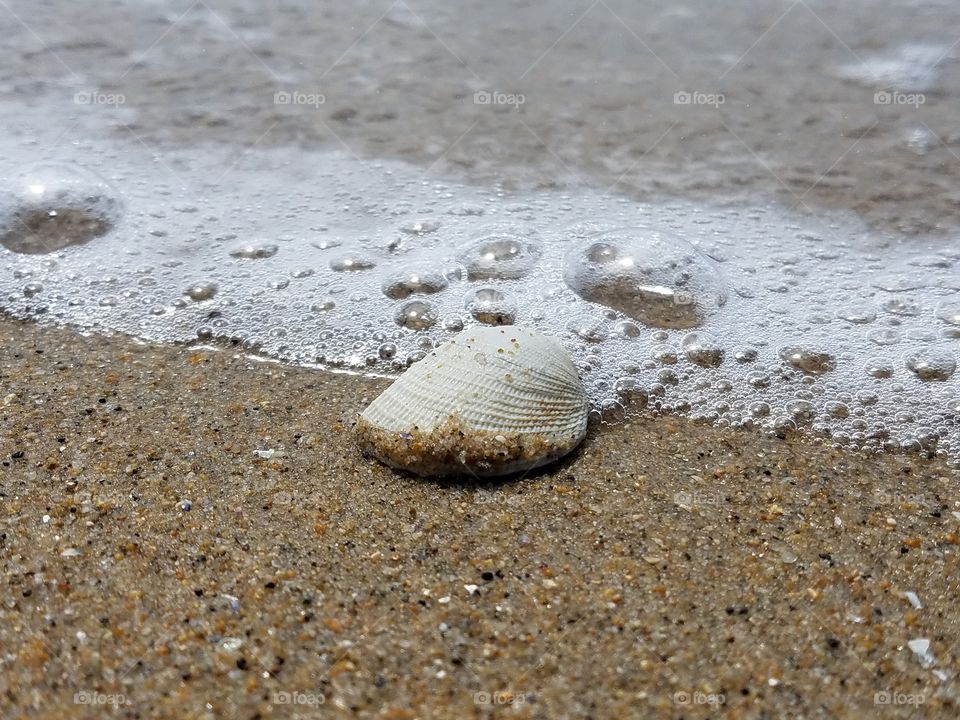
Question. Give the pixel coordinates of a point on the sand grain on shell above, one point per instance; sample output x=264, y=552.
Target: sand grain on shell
x=453, y=449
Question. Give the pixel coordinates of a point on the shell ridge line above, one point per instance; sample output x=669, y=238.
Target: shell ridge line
x=411, y=398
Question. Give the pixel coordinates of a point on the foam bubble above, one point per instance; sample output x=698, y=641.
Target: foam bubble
x=52, y=205
x=501, y=254
x=416, y=315
x=703, y=349
x=352, y=262
x=809, y=360
x=403, y=283
x=490, y=306
x=651, y=275
x=748, y=317
x=932, y=365
x=255, y=251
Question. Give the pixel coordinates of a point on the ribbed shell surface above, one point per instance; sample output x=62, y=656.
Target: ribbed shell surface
x=500, y=379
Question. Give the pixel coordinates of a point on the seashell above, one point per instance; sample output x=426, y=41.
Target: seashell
x=491, y=401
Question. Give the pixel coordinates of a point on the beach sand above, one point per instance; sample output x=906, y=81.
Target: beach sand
x=154, y=566
x=666, y=569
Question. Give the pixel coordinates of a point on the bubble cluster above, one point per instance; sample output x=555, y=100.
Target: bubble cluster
x=746, y=317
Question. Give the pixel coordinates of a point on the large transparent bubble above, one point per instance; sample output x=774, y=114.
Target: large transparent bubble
x=53, y=205
x=650, y=275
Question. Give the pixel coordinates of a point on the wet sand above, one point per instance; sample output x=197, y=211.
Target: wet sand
x=666, y=569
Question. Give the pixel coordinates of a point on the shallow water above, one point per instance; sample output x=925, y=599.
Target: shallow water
x=792, y=254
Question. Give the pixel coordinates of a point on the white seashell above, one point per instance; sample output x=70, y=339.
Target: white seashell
x=492, y=401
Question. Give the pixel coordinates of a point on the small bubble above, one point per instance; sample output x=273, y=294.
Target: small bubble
x=453, y=323
x=809, y=361
x=759, y=409
x=351, y=263
x=588, y=328
x=627, y=329
x=933, y=365
x=387, y=351
x=836, y=409
x=467, y=210
x=901, y=306
x=664, y=354
x=884, y=336
x=868, y=399
x=858, y=314
x=703, y=349
x=880, y=370
x=631, y=393
x=949, y=312
x=401, y=284
x=490, y=307
x=802, y=411
x=416, y=315
x=255, y=252
x=500, y=255
x=424, y=226
x=201, y=291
